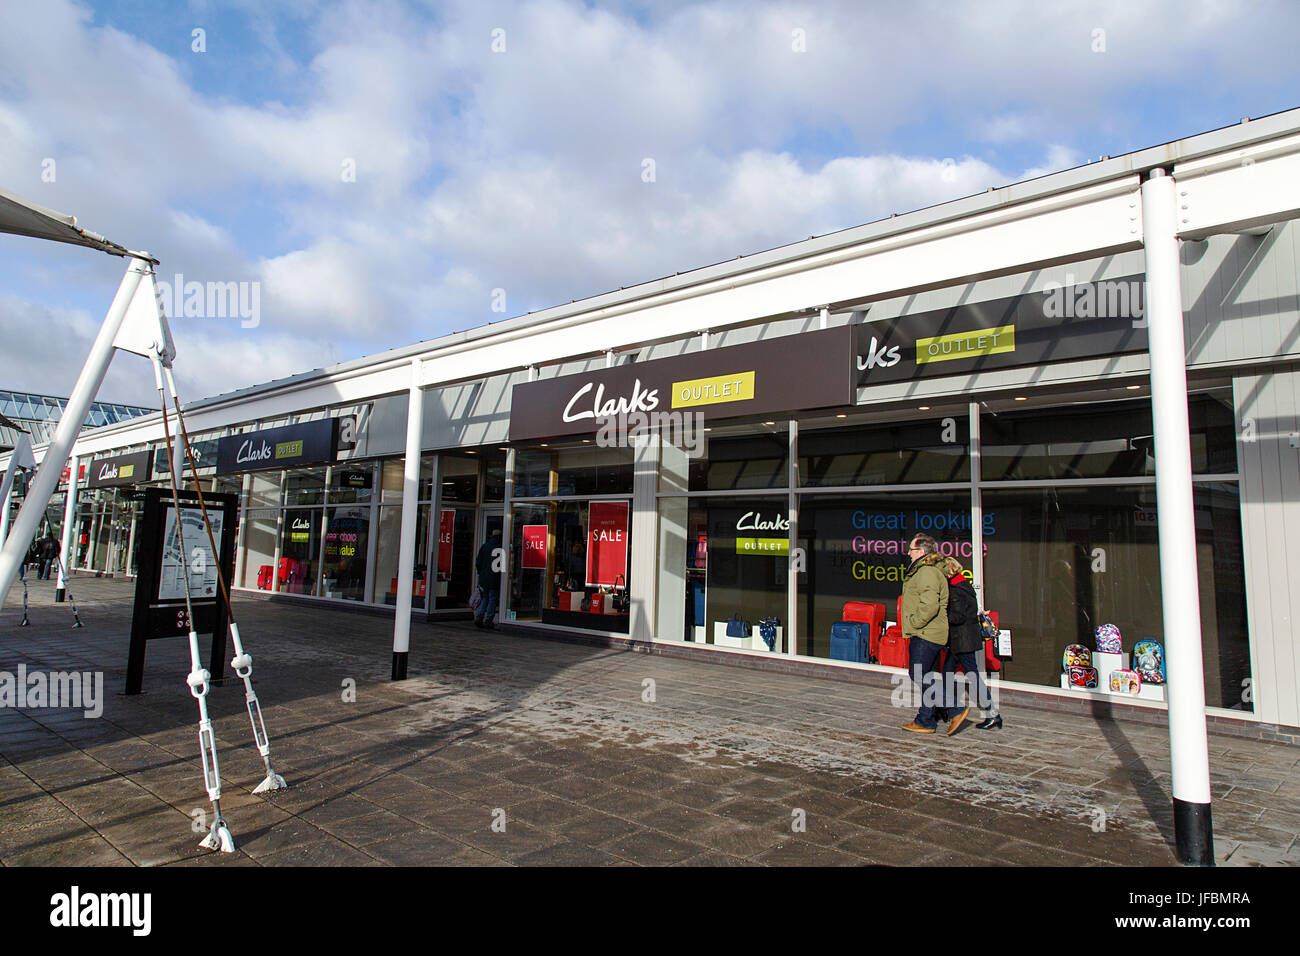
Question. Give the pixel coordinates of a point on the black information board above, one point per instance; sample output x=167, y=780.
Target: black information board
x=160, y=587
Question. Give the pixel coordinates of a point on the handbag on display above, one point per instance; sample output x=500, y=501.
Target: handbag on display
x=767, y=631
x=622, y=600
x=1125, y=682
x=1082, y=676
x=1109, y=640
x=1149, y=661
x=736, y=627
x=1076, y=655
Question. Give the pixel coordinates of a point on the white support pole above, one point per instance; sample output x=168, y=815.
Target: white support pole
x=976, y=507
x=69, y=529
x=410, y=511
x=507, y=537
x=1188, y=745
x=240, y=558
x=130, y=541
x=74, y=416
x=4, y=514
x=792, y=547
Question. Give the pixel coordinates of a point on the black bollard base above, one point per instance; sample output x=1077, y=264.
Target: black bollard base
x=59, y=595
x=1193, y=833
x=399, y=665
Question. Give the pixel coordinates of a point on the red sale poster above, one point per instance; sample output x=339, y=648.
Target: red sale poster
x=606, y=542
x=535, y=546
x=446, y=525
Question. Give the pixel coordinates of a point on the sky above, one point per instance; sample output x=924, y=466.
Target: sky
x=376, y=173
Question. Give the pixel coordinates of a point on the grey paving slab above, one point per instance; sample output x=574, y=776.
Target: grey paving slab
x=506, y=750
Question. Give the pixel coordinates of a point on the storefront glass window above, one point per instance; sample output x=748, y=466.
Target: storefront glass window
x=299, y=551
x=494, y=474
x=259, y=548
x=347, y=534
x=387, y=552
x=923, y=452
x=857, y=551
x=1101, y=440
x=759, y=458
x=570, y=562
x=459, y=479
x=1064, y=561
x=351, y=483
x=304, y=486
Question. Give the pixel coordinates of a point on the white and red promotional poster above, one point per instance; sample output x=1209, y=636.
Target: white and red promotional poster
x=535, y=546
x=607, y=542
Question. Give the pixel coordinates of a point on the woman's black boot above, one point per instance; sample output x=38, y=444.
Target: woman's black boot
x=990, y=723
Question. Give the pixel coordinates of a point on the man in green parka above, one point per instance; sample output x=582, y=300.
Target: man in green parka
x=925, y=624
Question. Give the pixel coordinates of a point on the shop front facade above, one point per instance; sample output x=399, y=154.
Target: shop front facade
x=662, y=461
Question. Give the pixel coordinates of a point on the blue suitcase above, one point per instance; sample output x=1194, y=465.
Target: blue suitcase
x=849, y=641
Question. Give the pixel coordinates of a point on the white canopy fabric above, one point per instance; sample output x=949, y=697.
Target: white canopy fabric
x=23, y=218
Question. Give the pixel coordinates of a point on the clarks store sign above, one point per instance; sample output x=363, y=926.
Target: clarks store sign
x=1060, y=324
x=309, y=443
x=119, y=470
x=813, y=370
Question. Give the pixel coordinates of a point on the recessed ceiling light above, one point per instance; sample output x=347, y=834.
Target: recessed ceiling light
x=1020, y=398
x=470, y=451
x=544, y=444
x=925, y=408
x=586, y=441
x=769, y=423
x=841, y=416
x=1132, y=388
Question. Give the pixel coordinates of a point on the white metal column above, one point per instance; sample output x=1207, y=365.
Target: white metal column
x=410, y=511
x=1180, y=597
x=507, y=537
x=372, y=539
x=69, y=520
x=240, y=558
x=4, y=516
x=976, y=506
x=792, y=513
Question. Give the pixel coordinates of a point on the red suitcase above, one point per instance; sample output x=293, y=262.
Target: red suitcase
x=264, y=577
x=871, y=614
x=892, y=651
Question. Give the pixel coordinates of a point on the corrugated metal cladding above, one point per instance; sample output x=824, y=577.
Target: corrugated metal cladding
x=1268, y=413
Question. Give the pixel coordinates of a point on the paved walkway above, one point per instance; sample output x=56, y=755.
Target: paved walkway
x=509, y=750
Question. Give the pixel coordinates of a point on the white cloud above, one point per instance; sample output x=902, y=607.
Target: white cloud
x=523, y=170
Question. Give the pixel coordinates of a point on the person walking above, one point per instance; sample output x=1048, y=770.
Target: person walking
x=49, y=551
x=925, y=625
x=965, y=642
x=489, y=580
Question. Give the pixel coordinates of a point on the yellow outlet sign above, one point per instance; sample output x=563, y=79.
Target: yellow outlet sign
x=944, y=348
x=736, y=387
x=772, y=546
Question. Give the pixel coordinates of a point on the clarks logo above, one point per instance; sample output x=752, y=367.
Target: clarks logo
x=108, y=471
x=642, y=400
x=301, y=524
x=250, y=452
x=878, y=357
x=756, y=522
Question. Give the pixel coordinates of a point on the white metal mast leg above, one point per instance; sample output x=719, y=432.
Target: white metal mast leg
x=1188, y=745
x=74, y=416
x=243, y=661
x=69, y=520
x=219, y=835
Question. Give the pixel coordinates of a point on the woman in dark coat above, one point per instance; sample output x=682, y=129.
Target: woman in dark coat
x=966, y=646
